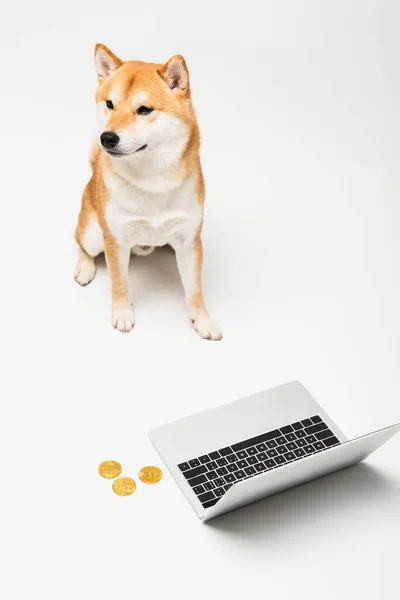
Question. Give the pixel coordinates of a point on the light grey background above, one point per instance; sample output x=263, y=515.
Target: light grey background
x=298, y=106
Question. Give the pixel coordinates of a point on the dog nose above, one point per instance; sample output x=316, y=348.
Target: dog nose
x=109, y=139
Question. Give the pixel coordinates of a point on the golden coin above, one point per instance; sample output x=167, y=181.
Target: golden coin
x=124, y=486
x=110, y=469
x=150, y=474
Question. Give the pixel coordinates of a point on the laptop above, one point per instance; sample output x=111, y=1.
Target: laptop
x=230, y=456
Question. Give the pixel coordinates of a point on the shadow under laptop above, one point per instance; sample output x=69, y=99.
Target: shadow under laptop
x=347, y=490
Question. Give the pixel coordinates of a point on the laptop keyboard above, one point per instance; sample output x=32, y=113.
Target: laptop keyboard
x=212, y=474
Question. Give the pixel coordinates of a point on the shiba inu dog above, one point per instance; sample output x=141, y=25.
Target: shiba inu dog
x=147, y=187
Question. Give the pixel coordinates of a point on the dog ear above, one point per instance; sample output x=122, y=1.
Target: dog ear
x=106, y=62
x=176, y=75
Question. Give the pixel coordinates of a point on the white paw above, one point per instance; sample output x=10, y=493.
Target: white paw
x=207, y=328
x=122, y=319
x=142, y=250
x=85, y=271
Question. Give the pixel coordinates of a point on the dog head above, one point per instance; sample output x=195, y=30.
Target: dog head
x=141, y=107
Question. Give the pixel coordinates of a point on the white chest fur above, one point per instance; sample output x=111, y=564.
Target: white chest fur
x=136, y=217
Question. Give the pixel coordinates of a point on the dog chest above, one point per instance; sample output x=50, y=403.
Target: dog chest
x=137, y=218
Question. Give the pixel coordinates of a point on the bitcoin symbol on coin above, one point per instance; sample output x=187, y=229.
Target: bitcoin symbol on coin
x=124, y=486
x=150, y=474
x=110, y=469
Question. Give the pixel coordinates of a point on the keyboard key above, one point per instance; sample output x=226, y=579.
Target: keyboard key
x=226, y=487
x=272, y=444
x=331, y=441
x=297, y=425
x=272, y=453
x=230, y=478
x=262, y=456
x=220, y=481
x=242, y=464
x=280, y=460
x=310, y=439
x=211, y=503
x=198, y=489
x=250, y=471
x=194, y=472
x=204, y=459
x=233, y=467
x=286, y=429
x=256, y=440
x=197, y=480
x=280, y=440
x=306, y=422
x=225, y=451
x=252, y=460
x=291, y=446
x=221, y=462
x=319, y=446
x=194, y=463
x=184, y=466
x=315, y=428
x=316, y=419
x=212, y=475
x=321, y=435
x=212, y=465
x=219, y=492
x=289, y=456
x=281, y=449
x=240, y=474
x=270, y=463
x=291, y=437
x=251, y=451
x=270, y=435
x=214, y=455
x=231, y=458
x=242, y=454
x=209, y=485
x=308, y=449
x=206, y=497
x=259, y=467
x=299, y=452
x=300, y=434
x=301, y=443
x=222, y=471
x=261, y=447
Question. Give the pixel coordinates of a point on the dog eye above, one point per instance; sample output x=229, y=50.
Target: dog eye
x=144, y=110
x=109, y=104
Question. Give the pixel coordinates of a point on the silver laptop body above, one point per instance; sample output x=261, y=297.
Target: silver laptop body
x=257, y=421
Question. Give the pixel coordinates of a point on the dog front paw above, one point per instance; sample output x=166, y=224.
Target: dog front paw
x=85, y=270
x=122, y=318
x=207, y=328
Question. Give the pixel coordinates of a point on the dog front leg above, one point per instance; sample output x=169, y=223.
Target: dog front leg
x=190, y=262
x=117, y=257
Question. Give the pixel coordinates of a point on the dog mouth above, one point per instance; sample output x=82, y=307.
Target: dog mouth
x=115, y=153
